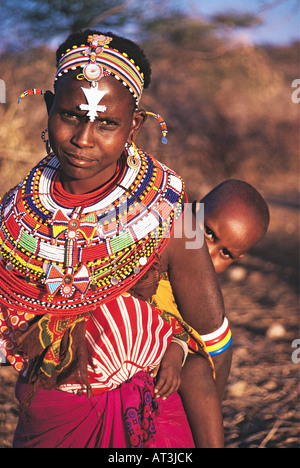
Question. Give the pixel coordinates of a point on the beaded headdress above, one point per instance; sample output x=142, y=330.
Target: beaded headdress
x=98, y=60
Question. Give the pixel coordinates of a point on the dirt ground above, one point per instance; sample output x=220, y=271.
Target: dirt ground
x=261, y=404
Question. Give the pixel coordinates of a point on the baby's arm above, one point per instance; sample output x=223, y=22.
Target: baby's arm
x=169, y=371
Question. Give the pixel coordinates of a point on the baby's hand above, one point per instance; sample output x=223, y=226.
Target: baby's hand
x=168, y=372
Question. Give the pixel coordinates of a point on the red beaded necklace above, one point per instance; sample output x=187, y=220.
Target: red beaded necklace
x=60, y=195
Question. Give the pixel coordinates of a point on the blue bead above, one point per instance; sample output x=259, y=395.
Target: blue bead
x=164, y=140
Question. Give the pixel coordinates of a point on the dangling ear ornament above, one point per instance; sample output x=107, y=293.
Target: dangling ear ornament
x=46, y=141
x=163, y=126
x=31, y=92
x=133, y=158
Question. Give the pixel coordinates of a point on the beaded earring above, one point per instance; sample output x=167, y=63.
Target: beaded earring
x=31, y=92
x=46, y=141
x=163, y=126
x=133, y=158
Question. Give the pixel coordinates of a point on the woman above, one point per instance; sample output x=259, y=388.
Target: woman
x=83, y=240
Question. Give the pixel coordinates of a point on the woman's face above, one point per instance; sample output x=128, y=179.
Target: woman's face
x=88, y=151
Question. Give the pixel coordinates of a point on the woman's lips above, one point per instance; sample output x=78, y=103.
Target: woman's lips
x=78, y=160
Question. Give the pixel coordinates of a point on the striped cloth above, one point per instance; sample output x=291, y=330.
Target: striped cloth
x=124, y=337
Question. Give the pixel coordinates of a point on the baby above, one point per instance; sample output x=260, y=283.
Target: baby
x=236, y=217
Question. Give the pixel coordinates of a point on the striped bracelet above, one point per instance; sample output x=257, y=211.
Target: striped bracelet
x=218, y=341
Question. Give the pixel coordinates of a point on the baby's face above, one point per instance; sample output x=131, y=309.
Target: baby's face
x=229, y=232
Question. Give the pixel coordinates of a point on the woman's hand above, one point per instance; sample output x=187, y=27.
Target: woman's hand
x=168, y=372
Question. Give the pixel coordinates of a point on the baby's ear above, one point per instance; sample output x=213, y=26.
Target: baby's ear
x=49, y=98
x=241, y=256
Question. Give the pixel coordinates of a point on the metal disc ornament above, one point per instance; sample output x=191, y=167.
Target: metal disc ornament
x=114, y=281
x=133, y=162
x=93, y=72
x=143, y=261
x=9, y=266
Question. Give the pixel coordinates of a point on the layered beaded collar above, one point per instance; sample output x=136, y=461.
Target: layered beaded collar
x=72, y=255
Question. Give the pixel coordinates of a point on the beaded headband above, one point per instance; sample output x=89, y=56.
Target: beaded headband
x=98, y=60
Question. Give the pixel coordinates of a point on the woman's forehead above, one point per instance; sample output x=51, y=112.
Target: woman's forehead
x=70, y=88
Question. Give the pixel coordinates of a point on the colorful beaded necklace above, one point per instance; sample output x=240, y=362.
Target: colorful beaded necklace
x=72, y=255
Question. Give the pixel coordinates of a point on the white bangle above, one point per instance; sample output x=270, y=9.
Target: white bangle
x=216, y=333
x=183, y=346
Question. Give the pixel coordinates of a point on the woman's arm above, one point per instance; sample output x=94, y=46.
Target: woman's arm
x=196, y=288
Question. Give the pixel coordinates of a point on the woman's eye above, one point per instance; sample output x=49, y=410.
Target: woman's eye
x=70, y=116
x=106, y=123
x=209, y=233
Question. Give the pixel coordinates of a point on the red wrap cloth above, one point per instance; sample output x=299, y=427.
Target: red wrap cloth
x=127, y=417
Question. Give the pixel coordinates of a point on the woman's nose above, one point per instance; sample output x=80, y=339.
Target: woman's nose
x=83, y=136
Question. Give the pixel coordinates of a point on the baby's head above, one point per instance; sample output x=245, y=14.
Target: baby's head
x=235, y=218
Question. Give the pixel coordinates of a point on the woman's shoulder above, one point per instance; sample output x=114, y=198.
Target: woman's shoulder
x=171, y=185
x=162, y=166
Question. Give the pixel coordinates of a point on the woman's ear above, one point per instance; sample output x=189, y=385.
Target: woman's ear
x=49, y=98
x=138, y=119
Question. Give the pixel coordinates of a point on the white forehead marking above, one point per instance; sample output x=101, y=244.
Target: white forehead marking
x=93, y=96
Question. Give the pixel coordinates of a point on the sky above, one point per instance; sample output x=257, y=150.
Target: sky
x=280, y=17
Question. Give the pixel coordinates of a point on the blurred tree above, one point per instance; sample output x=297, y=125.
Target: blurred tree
x=208, y=39
x=43, y=20
x=238, y=20
x=178, y=28
x=36, y=22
